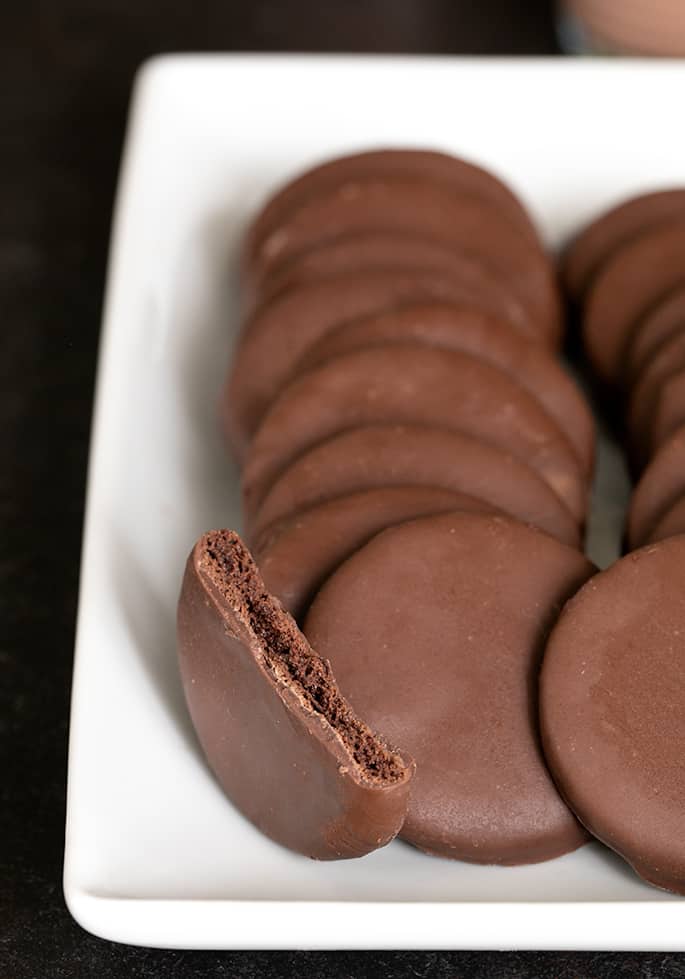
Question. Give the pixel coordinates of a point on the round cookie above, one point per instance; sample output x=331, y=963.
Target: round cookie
x=279, y=333
x=406, y=455
x=612, y=689
x=669, y=412
x=670, y=524
x=667, y=360
x=405, y=383
x=626, y=287
x=376, y=251
x=660, y=485
x=417, y=208
x=449, y=327
x=660, y=323
x=434, y=631
x=440, y=168
x=612, y=229
x=284, y=745
x=296, y=555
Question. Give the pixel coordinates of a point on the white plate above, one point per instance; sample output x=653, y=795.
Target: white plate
x=155, y=854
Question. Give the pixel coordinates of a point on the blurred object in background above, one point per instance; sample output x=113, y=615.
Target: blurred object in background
x=637, y=27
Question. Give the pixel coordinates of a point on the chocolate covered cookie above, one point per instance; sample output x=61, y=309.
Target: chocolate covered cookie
x=662, y=321
x=668, y=413
x=296, y=555
x=437, y=168
x=384, y=252
x=612, y=690
x=435, y=631
x=279, y=334
x=285, y=745
x=415, y=455
x=652, y=407
x=662, y=482
x=600, y=239
x=410, y=207
x=449, y=327
x=631, y=282
x=405, y=383
x=670, y=524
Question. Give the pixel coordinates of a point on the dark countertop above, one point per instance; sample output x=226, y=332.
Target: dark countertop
x=66, y=71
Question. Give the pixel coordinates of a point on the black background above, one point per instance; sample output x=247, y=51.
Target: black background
x=65, y=77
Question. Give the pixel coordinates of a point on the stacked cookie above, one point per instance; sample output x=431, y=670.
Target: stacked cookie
x=402, y=328
x=612, y=684
x=626, y=271
x=415, y=472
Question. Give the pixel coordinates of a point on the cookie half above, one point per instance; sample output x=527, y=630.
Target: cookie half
x=284, y=744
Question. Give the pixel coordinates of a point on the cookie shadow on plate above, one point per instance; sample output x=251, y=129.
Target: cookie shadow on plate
x=617, y=865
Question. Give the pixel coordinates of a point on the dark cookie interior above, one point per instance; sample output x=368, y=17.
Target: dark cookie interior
x=289, y=657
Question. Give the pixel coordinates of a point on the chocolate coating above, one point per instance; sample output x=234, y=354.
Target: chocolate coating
x=661, y=322
x=631, y=282
x=405, y=383
x=662, y=482
x=669, y=411
x=644, y=411
x=400, y=206
x=439, y=168
x=383, y=252
x=670, y=524
x=604, y=236
x=449, y=327
x=279, y=334
x=435, y=629
x=285, y=746
x=406, y=455
x=612, y=709
x=297, y=554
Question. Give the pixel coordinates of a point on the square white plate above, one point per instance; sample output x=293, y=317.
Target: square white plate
x=155, y=854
